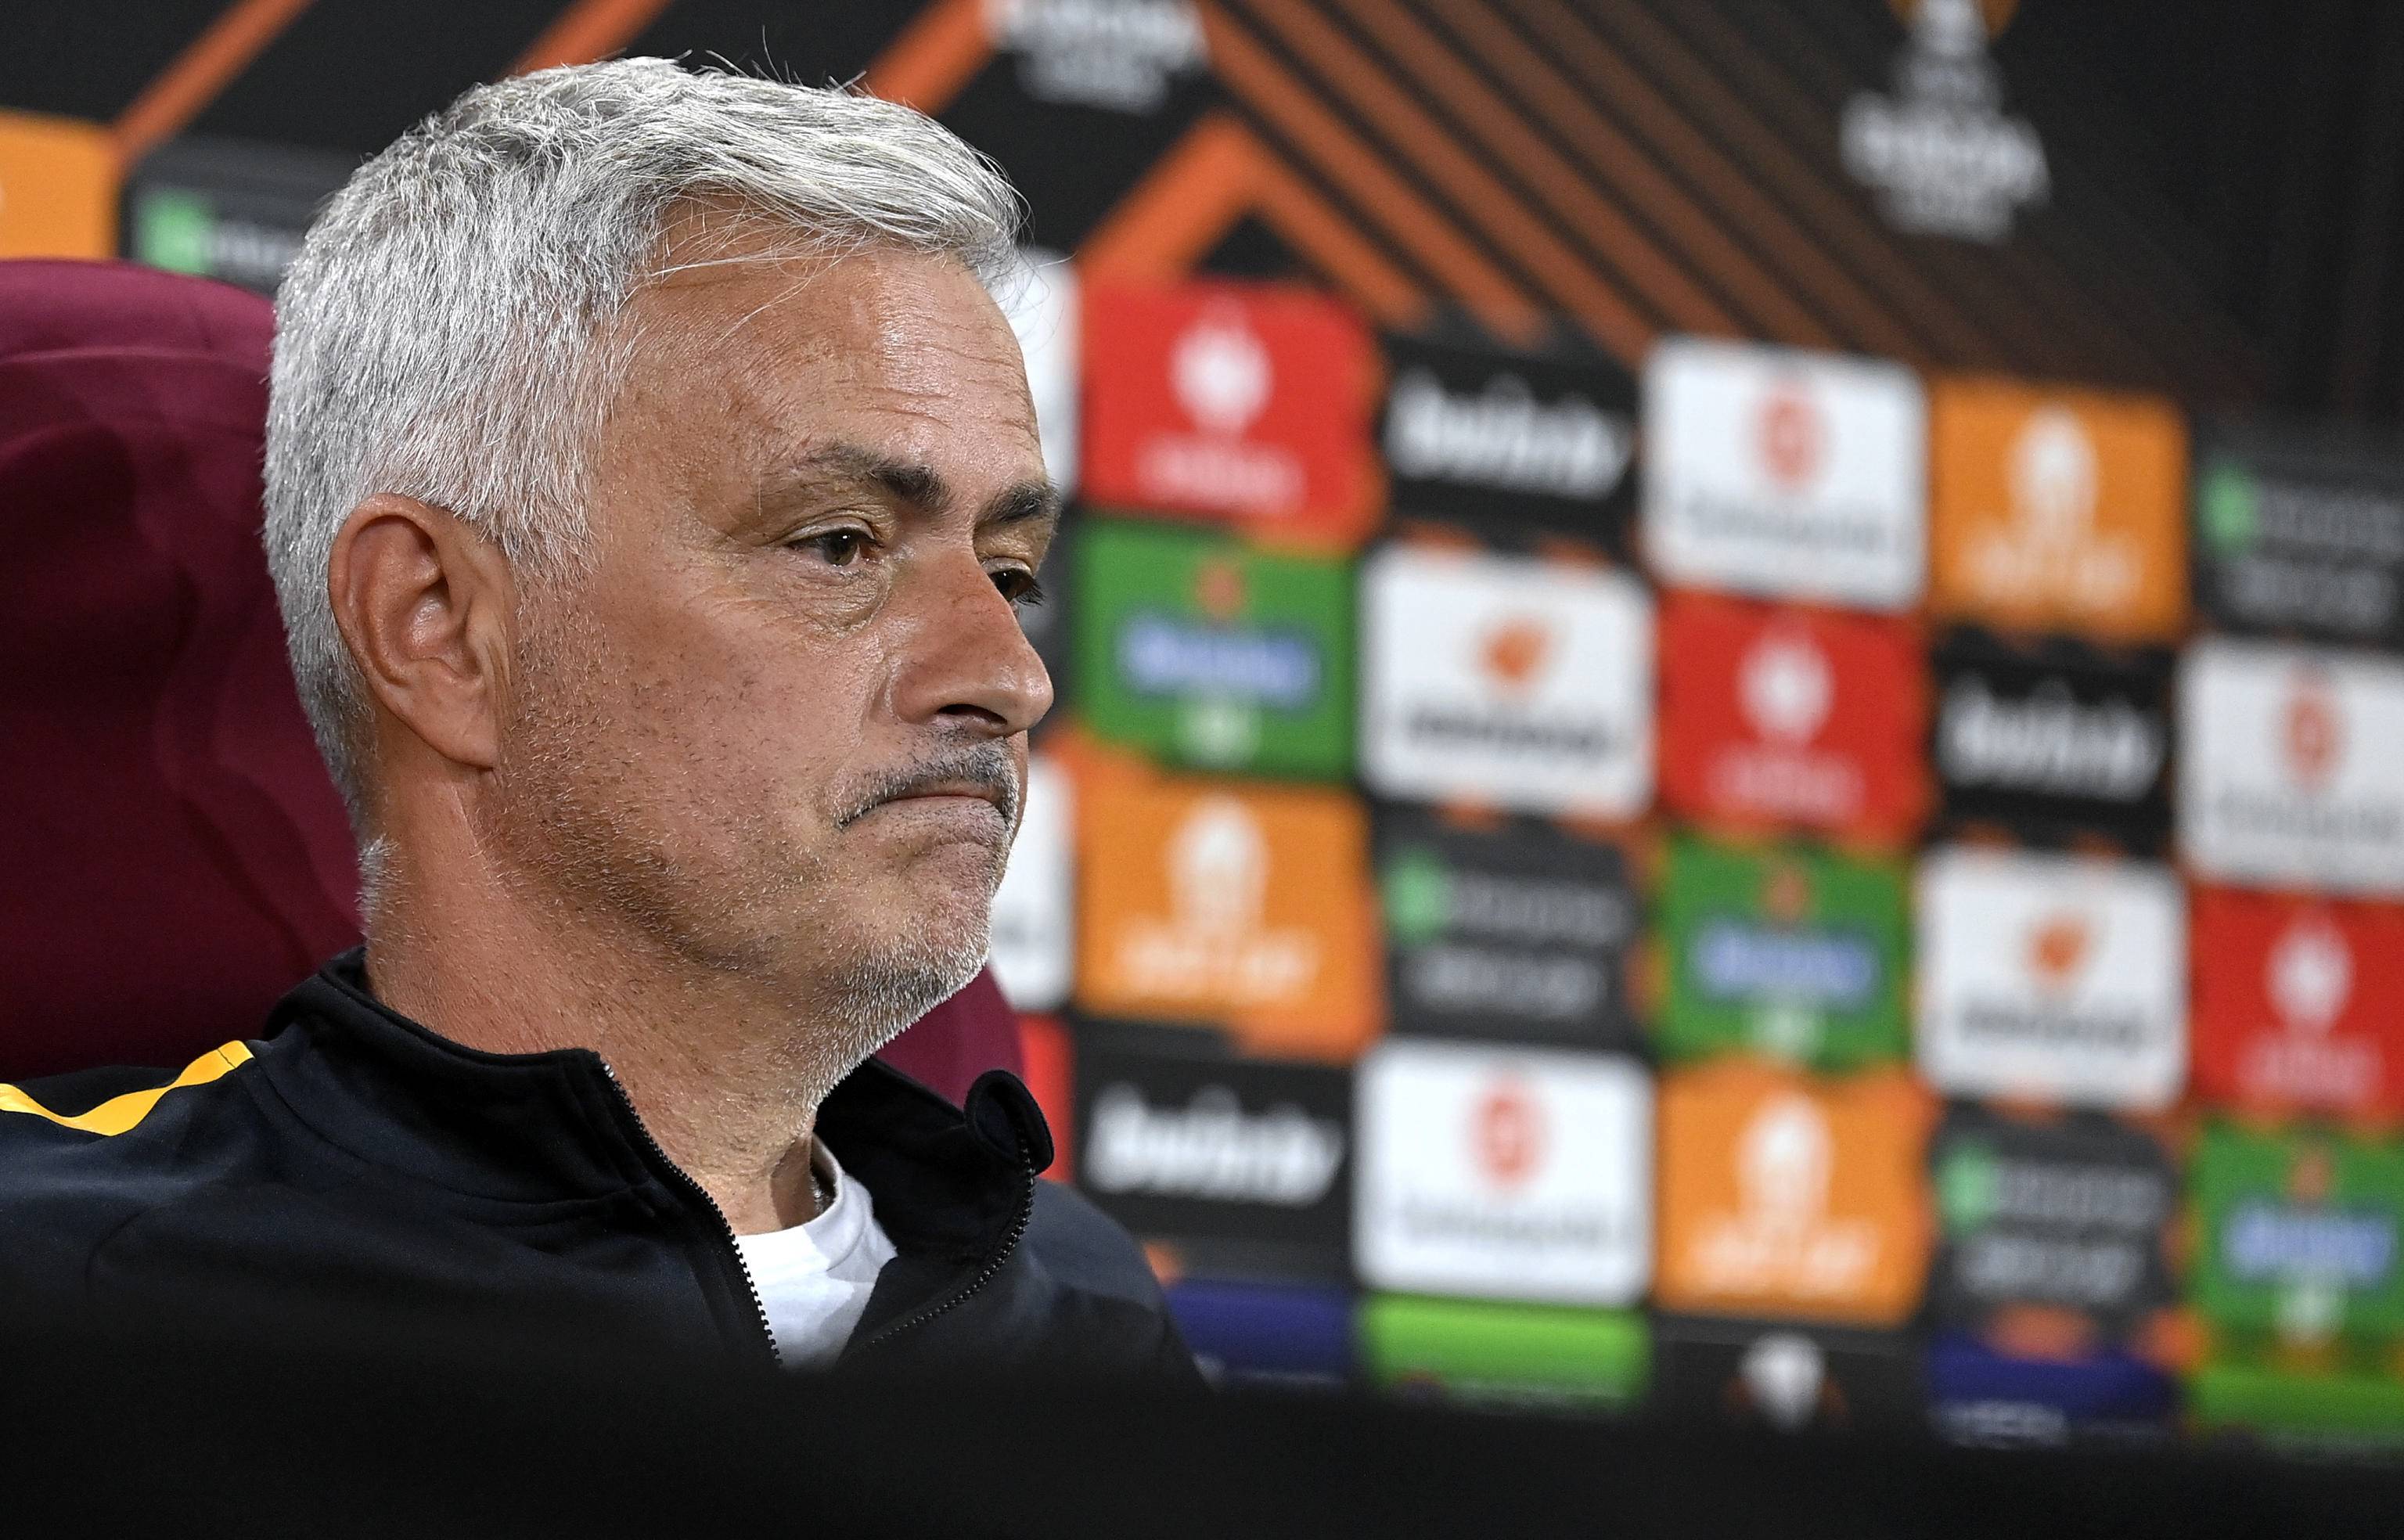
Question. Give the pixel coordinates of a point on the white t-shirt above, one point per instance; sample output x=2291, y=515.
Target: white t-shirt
x=813, y=1280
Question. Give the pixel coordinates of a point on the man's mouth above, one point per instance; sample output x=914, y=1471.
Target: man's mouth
x=977, y=776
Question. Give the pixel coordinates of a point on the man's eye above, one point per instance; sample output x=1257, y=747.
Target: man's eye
x=1018, y=586
x=838, y=547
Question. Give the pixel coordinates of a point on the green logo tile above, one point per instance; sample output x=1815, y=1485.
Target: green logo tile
x=1792, y=952
x=1205, y=651
x=2299, y=1236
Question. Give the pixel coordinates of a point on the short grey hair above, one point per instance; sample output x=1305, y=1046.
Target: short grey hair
x=446, y=332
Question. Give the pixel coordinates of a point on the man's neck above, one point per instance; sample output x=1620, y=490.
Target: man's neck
x=722, y=1077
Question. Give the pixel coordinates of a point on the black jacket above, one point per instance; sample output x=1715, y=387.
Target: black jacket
x=356, y=1161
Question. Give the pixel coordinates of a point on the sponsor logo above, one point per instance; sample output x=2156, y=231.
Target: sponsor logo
x=2066, y=1215
x=1824, y=500
x=1938, y=149
x=1505, y=680
x=1508, y=1134
x=1785, y=1196
x=1778, y=717
x=2060, y=740
x=2287, y=776
x=1248, y=907
x=1118, y=55
x=1033, y=909
x=1508, y=1173
x=1211, y=1148
x=1220, y=376
x=2297, y=1003
x=1204, y=653
x=1505, y=438
x=2054, y=976
x=2058, y=511
x=1781, y=1232
x=1735, y=961
x=1236, y=1165
x=1791, y=435
x=2048, y=743
x=1786, y=686
x=1796, y=955
x=2051, y=536
x=2308, y=974
x=1515, y=443
x=1249, y=402
x=2300, y=1235
x=1169, y=655
x=2300, y=535
x=1496, y=932
x=2266, y=1241
x=1213, y=937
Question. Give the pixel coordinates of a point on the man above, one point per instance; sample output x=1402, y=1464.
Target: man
x=652, y=481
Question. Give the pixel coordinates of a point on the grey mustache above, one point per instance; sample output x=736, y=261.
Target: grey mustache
x=987, y=765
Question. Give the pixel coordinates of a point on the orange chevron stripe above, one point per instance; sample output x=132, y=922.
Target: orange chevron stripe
x=586, y=31
x=1212, y=177
x=195, y=77
x=1613, y=160
x=1667, y=92
x=936, y=55
x=1189, y=198
x=1546, y=175
x=1293, y=208
x=1250, y=71
x=1412, y=132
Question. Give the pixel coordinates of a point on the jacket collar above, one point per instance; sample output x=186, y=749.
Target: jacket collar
x=553, y=1126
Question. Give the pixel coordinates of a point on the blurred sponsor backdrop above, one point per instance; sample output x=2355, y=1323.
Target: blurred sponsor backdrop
x=1732, y=730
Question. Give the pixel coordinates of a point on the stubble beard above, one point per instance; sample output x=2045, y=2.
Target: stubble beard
x=580, y=848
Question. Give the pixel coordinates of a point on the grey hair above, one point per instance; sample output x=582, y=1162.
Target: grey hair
x=447, y=331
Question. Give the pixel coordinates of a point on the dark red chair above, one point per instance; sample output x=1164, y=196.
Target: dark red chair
x=172, y=856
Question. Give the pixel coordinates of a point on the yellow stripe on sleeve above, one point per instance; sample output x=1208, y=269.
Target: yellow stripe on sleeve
x=120, y=1112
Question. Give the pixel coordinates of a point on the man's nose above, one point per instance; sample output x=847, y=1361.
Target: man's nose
x=968, y=664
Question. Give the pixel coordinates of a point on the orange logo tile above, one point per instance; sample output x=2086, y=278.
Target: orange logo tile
x=1781, y=1195
x=58, y=188
x=1225, y=903
x=2057, y=510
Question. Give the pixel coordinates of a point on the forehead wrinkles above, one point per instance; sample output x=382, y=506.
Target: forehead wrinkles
x=735, y=361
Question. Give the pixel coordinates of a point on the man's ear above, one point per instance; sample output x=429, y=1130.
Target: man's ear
x=422, y=602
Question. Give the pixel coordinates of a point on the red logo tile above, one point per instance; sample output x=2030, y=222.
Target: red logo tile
x=2298, y=1004
x=1250, y=403
x=1778, y=717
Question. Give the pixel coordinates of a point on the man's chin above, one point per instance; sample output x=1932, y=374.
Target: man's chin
x=885, y=991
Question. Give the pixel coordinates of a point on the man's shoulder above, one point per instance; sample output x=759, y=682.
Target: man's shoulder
x=1084, y=1249
x=80, y=1153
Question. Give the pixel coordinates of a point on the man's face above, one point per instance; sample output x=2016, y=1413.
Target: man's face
x=780, y=723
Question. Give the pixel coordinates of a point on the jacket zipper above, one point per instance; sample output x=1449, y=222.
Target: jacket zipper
x=987, y=1273
x=726, y=1229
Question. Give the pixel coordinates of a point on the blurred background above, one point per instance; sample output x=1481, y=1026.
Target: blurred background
x=1731, y=739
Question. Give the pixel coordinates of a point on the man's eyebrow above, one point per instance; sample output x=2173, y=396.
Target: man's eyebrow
x=1025, y=503
x=923, y=486
x=904, y=481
